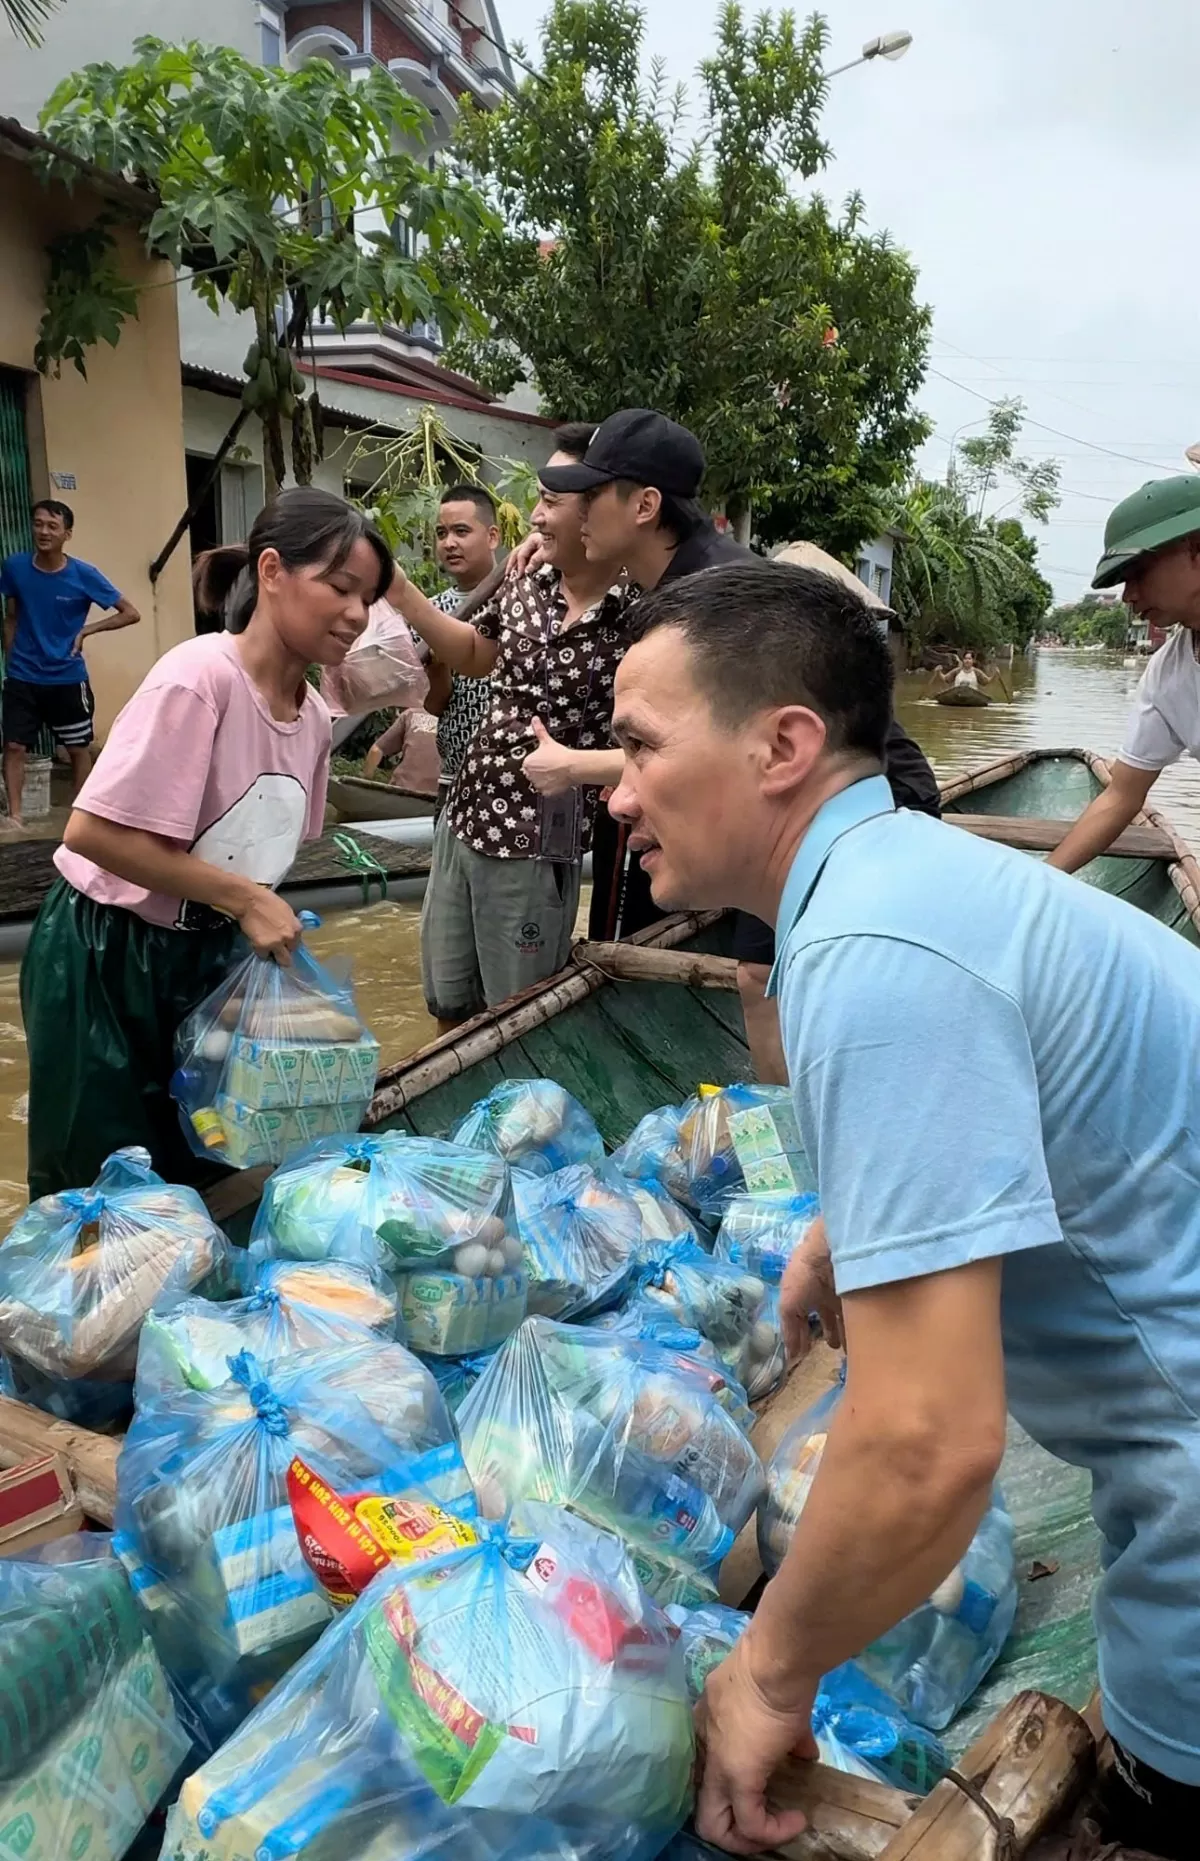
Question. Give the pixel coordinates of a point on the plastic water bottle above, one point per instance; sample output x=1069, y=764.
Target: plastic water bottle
x=932, y=1662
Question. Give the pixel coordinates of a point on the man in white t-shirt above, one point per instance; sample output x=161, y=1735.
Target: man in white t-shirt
x=1152, y=544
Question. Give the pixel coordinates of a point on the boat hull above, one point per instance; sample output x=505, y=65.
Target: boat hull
x=357, y=798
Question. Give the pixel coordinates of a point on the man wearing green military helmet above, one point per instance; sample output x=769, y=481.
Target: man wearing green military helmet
x=1152, y=544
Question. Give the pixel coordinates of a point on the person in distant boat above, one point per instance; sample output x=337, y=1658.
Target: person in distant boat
x=963, y=675
x=1152, y=545
x=413, y=740
x=1046, y=1262
x=212, y=775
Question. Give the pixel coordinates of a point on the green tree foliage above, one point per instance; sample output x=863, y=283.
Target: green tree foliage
x=633, y=266
x=1092, y=622
x=25, y=18
x=990, y=459
x=963, y=579
x=1022, y=607
x=257, y=173
x=960, y=580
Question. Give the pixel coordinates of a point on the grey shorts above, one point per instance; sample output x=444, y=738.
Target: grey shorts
x=491, y=927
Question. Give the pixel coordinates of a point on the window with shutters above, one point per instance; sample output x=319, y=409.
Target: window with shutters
x=15, y=491
x=16, y=531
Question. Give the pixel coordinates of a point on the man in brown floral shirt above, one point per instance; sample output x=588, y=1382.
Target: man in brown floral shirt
x=503, y=890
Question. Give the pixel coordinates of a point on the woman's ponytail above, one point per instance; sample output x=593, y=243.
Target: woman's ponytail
x=220, y=573
x=308, y=528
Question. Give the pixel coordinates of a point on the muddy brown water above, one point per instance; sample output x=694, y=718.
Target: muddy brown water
x=1059, y=700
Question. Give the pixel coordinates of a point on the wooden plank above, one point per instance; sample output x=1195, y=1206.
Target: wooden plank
x=808, y=1381
x=663, y=1027
x=631, y=963
x=1034, y=836
x=1029, y=1765
x=92, y=1458
x=849, y=1818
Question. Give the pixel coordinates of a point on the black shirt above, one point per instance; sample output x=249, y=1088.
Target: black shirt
x=706, y=549
x=621, y=901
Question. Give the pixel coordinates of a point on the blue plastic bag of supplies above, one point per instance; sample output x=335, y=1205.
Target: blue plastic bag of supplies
x=276, y=1056
x=78, y=1274
x=581, y=1233
x=736, y=1310
x=207, y=1487
x=737, y=1139
x=534, y=1125
x=438, y=1218
x=456, y=1377
x=849, y=1710
x=652, y=1152
x=932, y=1661
x=519, y=1699
x=638, y=1319
x=762, y=1232
x=293, y=1305
x=665, y=1222
x=725, y=1141
x=89, y=1738
x=631, y=1436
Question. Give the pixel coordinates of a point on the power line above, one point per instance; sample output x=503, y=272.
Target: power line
x=1054, y=361
x=504, y=50
x=1075, y=438
x=1076, y=406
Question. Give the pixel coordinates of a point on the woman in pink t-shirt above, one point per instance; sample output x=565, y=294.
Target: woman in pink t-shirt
x=211, y=777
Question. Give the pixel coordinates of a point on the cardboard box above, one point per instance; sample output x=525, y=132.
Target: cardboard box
x=37, y=1503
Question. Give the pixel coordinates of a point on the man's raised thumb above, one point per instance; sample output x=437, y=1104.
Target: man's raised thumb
x=540, y=733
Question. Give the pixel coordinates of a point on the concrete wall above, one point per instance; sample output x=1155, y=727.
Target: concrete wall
x=119, y=432
x=873, y=565
x=84, y=32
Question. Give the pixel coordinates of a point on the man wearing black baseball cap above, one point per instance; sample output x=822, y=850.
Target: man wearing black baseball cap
x=641, y=475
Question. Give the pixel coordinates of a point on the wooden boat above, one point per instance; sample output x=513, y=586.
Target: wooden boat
x=361, y=798
x=963, y=697
x=627, y=1027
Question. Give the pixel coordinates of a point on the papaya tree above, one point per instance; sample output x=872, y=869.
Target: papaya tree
x=277, y=193
x=408, y=476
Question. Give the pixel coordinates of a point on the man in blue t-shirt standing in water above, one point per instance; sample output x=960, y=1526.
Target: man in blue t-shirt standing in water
x=47, y=598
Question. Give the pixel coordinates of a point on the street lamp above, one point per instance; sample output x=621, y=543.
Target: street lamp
x=890, y=45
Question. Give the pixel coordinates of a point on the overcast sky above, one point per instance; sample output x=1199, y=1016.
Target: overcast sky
x=1039, y=160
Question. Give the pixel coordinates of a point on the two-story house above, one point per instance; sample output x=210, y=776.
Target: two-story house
x=440, y=51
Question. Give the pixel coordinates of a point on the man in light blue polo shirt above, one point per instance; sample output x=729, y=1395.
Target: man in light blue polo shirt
x=997, y=1077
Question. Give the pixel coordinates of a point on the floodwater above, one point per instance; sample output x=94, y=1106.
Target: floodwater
x=1060, y=700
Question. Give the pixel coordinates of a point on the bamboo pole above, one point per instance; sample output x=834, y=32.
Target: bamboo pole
x=628, y=963
x=476, y=1040
x=1028, y=1765
x=92, y=1458
x=1184, y=871
x=992, y=773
